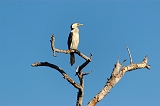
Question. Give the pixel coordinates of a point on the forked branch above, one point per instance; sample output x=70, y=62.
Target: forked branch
x=79, y=72
x=80, y=75
x=117, y=74
x=65, y=51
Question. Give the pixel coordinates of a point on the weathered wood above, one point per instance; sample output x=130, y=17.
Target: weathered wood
x=117, y=74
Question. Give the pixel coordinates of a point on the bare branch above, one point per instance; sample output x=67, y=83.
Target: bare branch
x=70, y=80
x=80, y=97
x=87, y=73
x=116, y=75
x=86, y=63
x=52, y=45
x=65, y=51
x=80, y=75
x=123, y=62
x=116, y=69
x=130, y=56
x=80, y=91
x=80, y=86
x=145, y=60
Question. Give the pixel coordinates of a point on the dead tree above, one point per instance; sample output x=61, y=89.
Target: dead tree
x=118, y=71
x=79, y=72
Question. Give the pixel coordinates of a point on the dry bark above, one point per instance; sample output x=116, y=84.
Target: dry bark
x=117, y=74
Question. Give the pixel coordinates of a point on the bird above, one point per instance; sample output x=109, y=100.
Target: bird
x=73, y=40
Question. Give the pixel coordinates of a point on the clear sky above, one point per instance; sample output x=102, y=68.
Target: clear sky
x=25, y=31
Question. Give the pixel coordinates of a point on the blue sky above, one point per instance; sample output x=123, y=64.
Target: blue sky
x=25, y=30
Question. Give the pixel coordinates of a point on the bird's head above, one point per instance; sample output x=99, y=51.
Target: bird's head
x=75, y=25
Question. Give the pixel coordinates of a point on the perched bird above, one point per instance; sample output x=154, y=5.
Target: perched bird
x=73, y=40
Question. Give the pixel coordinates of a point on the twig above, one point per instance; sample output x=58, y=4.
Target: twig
x=86, y=73
x=129, y=54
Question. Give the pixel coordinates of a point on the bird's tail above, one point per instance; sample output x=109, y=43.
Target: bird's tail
x=72, y=59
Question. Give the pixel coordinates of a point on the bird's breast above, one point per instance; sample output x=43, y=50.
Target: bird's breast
x=75, y=41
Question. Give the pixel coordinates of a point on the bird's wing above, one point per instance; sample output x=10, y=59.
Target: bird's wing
x=70, y=39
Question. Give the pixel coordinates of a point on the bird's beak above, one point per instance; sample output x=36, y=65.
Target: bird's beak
x=80, y=24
